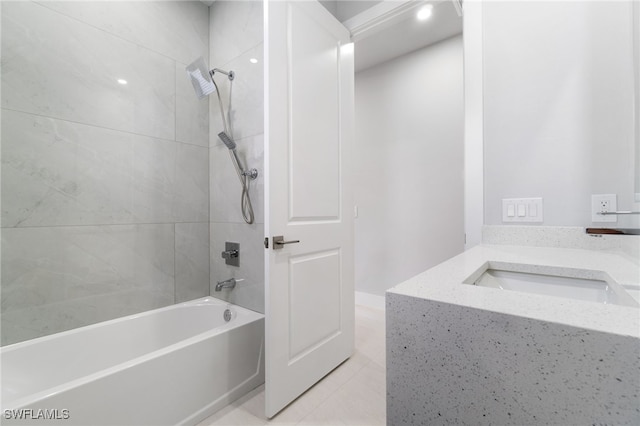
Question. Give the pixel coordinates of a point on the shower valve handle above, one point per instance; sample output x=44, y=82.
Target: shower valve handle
x=228, y=254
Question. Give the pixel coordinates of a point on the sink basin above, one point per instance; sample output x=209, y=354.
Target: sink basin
x=577, y=284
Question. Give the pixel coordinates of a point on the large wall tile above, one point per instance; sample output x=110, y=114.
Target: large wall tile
x=36, y=321
x=98, y=178
x=191, y=202
x=236, y=37
x=192, y=114
x=154, y=180
x=88, y=272
x=56, y=172
x=192, y=261
x=55, y=66
x=170, y=182
x=177, y=29
x=247, y=104
x=225, y=185
x=248, y=293
x=236, y=26
x=80, y=261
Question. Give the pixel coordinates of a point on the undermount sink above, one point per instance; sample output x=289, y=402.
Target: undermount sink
x=577, y=284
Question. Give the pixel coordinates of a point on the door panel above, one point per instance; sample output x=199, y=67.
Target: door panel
x=314, y=304
x=308, y=195
x=315, y=150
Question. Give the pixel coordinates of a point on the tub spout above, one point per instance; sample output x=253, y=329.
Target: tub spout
x=230, y=283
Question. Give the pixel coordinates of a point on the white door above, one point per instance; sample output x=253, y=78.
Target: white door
x=308, y=190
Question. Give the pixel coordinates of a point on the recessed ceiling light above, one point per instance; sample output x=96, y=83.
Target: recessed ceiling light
x=122, y=81
x=425, y=12
x=253, y=60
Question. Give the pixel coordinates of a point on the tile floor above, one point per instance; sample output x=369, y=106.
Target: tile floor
x=352, y=394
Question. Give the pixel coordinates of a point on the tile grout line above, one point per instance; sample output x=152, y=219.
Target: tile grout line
x=119, y=37
x=103, y=225
x=175, y=269
x=336, y=390
x=332, y=394
x=103, y=127
x=175, y=175
x=209, y=162
x=251, y=136
x=238, y=56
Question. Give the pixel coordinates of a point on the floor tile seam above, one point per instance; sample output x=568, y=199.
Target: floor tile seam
x=332, y=394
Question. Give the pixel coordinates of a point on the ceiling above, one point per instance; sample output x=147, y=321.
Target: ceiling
x=345, y=9
x=406, y=35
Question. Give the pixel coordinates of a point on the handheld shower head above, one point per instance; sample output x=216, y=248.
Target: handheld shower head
x=242, y=172
x=226, y=139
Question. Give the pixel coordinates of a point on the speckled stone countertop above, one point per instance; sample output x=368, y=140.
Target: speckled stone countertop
x=444, y=283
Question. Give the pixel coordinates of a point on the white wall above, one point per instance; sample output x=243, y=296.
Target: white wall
x=636, y=56
x=409, y=165
x=558, y=106
x=473, y=122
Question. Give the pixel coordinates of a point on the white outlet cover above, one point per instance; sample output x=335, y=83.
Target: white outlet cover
x=603, y=202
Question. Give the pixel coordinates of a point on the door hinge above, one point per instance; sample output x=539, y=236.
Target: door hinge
x=266, y=242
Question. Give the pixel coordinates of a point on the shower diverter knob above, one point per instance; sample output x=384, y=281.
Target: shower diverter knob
x=231, y=254
x=228, y=254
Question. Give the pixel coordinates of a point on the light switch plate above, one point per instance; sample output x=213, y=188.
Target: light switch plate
x=524, y=210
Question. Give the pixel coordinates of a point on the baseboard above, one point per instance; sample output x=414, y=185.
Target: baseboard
x=370, y=300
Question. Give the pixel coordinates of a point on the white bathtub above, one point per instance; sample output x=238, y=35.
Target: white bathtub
x=174, y=365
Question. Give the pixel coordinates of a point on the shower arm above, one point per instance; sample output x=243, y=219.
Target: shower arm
x=229, y=74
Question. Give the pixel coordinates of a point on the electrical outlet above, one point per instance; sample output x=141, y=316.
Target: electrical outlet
x=603, y=203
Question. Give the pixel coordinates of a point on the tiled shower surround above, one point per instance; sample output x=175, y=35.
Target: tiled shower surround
x=105, y=186
x=236, y=39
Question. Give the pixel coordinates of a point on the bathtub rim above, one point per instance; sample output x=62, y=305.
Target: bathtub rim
x=248, y=316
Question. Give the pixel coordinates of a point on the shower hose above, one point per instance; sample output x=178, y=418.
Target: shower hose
x=245, y=177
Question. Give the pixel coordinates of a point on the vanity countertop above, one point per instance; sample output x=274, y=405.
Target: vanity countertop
x=444, y=283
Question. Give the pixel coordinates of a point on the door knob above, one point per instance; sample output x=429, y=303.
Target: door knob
x=279, y=242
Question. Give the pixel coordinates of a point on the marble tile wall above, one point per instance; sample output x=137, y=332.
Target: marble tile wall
x=105, y=186
x=236, y=36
